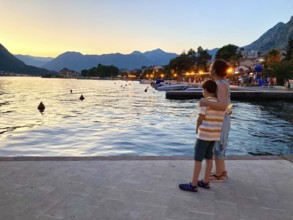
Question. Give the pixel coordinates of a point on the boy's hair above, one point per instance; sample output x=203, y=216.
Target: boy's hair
x=210, y=86
x=220, y=66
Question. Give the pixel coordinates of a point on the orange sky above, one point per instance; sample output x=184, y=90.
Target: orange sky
x=48, y=28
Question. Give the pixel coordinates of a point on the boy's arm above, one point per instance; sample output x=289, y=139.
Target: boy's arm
x=199, y=121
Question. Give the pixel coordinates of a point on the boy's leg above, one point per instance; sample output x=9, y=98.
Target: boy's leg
x=196, y=172
x=209, y=161
x=208, y=170
x=199, y=153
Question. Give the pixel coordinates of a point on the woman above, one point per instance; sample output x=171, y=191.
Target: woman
x=218, y=71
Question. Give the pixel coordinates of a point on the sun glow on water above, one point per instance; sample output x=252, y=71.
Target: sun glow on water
x=115, y=120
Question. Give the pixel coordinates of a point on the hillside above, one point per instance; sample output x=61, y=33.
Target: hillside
x=9, y=63
x=277, y=37
x=33, y=61
x=77, y=61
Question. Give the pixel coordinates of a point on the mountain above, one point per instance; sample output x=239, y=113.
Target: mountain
x=213, y=52
x=9, y=63
x=275, y=38
x=33, y=61
x=77, y=61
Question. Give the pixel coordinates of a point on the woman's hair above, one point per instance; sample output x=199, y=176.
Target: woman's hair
x=220, y=67
x=210, y=86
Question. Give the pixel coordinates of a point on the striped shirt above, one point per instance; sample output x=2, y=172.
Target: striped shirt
x=210, y=129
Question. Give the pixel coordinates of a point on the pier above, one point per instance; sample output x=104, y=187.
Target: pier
x=240, y=94
x=142, y=188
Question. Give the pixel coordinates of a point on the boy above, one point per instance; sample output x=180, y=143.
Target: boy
x=208, y=130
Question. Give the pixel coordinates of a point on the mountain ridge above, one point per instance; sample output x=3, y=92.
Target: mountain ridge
x=276, y=37
x=9, y=63
x=77, y=61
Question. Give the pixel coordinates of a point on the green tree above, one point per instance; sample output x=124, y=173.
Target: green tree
x=282, y=71
x=231, y=54
x=183, y=63
x=228, y=52
x=101, y=71
x=273, y=56
x=202, y=59
x=289, y=51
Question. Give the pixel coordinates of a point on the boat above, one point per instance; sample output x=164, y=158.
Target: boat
x=172, y=87
x=145, y=81
x=192, y=89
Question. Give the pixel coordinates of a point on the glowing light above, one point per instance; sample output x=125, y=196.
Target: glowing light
x=230, y=70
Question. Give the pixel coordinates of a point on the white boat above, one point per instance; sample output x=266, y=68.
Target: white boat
x=193, y=89
x=145, y=81
x=172, y=87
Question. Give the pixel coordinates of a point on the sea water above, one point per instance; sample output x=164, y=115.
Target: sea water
x=124, y=118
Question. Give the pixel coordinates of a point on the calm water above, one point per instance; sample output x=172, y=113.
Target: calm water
x=119, y=118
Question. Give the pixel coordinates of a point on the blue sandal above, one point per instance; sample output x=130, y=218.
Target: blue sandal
x=188, y=187
x=202, y=184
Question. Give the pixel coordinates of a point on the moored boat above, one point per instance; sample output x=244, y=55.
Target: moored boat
x=173, y=87
x=146, y=81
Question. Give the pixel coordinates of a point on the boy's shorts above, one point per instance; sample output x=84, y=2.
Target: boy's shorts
x=203, y=150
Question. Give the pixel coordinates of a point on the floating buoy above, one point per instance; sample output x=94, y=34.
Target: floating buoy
x=81, y=97
x=41, y=107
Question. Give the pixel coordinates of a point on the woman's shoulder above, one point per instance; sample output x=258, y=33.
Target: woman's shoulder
x=223, y=81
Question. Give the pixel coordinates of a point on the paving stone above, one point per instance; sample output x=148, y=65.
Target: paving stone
x=142, y=189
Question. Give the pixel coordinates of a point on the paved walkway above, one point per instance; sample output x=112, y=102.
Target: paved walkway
x=144, y=188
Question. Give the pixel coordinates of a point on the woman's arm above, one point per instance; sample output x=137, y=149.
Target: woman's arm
x=222, y=95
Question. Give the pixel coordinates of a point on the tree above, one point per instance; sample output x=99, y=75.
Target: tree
x=101, y=71
x=231, y=54
x=227, y=52
x=282, y=71
x=202, y=59
x=183, y=63
x=273, y=56
x=289, y=51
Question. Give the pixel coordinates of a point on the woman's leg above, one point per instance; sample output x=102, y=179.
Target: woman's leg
x=220, y=166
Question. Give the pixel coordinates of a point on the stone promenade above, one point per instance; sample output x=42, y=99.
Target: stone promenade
x=142, y=188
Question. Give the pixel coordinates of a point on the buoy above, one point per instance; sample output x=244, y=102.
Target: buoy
x=41, y=107
x=81, y=97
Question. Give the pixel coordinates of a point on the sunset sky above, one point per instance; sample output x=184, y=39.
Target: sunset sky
x=48, y=28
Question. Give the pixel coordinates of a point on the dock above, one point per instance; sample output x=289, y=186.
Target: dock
x=239, y=94
x=142, y=188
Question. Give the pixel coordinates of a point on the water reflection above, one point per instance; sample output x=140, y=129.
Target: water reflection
x=120, y=118
x=268, y=127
